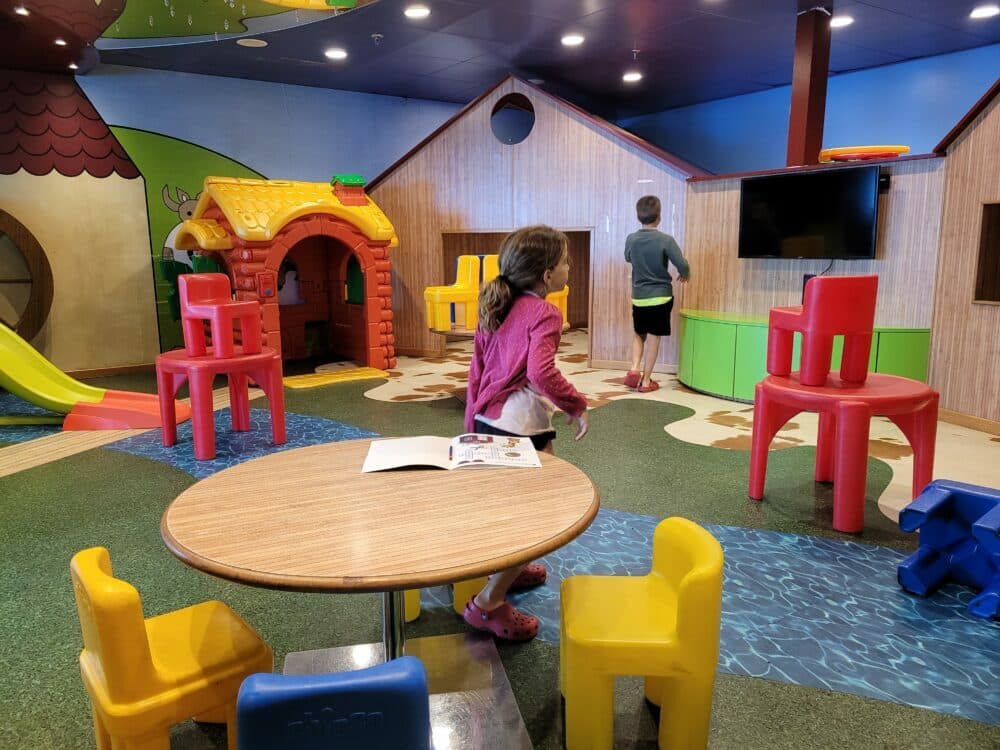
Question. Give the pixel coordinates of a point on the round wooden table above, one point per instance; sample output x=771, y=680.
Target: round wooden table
x=308, y=520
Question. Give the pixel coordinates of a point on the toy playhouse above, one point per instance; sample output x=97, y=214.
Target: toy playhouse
x=315, y=256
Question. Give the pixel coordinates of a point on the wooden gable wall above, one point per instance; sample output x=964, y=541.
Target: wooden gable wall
x=567, y=173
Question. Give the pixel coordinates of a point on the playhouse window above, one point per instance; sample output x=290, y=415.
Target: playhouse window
x=25, y=279
x=354, y=288
x=988, y=267
x=512, y=118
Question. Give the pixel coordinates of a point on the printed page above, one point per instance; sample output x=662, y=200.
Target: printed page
x=493, y=450
x=414, y=451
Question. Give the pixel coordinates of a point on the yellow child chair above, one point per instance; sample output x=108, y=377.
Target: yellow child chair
x=664, y=626
x=462, y=591
x=465, y=291
x=144, y=675
x=491, y=268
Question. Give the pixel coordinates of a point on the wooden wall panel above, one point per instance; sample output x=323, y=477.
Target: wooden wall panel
x=906, y=251
x=566, y=173
x=965, y=345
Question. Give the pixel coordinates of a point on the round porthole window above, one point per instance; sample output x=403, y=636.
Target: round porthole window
x=25, y=279
x=512, y=119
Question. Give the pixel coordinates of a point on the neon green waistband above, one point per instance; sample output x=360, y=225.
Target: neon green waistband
x=651, y=301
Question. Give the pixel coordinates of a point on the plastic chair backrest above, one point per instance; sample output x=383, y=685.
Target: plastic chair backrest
x=840, y=305
x=201, y=288
x=690, y=560
x=384, y=707
x=467, y=273
x=491, y=267
x=113, y=627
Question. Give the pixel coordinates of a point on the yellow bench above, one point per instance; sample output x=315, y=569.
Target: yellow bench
x=465, y=291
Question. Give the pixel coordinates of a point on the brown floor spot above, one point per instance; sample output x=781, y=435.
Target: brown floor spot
x=574, y=358
x=729, y=419
x=615, y=381
x=394, y=374
x=888, y=448
x=742, y=443
x=407, y=397
x=459, y=374
x=995, y=440
x=436, y=388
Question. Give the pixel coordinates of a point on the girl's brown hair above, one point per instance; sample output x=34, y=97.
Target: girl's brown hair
x=525, y=255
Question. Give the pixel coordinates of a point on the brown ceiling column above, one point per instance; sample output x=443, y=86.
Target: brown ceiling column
x=812, y=66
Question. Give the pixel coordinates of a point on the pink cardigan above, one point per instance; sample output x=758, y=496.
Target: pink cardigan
x=523, y=350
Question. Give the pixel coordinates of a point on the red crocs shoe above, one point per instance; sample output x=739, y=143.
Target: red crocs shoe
x=632, y=378
x=653, y=385
x=532, y=575
x=504, y=622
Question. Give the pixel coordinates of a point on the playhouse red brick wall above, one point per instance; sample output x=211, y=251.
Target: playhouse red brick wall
x=253, y=268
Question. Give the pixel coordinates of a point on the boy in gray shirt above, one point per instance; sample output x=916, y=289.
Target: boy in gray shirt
x=649, y=251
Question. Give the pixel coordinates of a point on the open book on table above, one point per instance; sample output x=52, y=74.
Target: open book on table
x=451, y=453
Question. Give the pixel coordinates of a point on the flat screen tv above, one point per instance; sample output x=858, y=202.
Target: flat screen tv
x=826, y=213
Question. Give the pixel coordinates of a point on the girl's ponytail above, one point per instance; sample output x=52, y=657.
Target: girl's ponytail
x=525, y=255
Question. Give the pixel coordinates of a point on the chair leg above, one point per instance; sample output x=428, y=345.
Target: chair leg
x=471, y=314
x=920, y=429
x=250, y=333
x=686, y=712
x=779, y=351
x=816, y=355
x=202, y=414
x=411, y=605
x=231, y=726
x=222, y=336
x=654, y=689
x=590, y=708
x=462, y=591
x=194, y=336
x=851, y=470
x=276, y=401
x=854, y=360
x=442, y=316
x=826, y=440
x=239, y=402
x=165, y=391
x=768, y=417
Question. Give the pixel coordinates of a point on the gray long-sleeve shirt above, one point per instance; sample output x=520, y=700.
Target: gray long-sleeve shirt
x=649, y=251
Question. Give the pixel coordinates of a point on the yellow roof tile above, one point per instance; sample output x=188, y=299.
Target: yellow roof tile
x=202, y=234
x=259, y=209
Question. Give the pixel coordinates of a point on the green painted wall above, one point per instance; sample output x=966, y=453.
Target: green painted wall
x=146, y=20
x=165, y=161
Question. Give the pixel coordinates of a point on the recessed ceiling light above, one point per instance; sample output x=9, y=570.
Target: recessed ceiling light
x=73, y=66
x=985, y=11
x=22, y=11
x=572, y=40
x=336, y=53
x=251, y=42
x=632, y=76
x=60, y=42
x=838, y=22
x=417, y=11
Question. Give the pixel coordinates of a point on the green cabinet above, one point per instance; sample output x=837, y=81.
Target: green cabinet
x=726, y=355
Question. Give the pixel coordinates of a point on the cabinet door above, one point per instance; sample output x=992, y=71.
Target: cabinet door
x=904, y=353
x=714, y=358
x=751, y=360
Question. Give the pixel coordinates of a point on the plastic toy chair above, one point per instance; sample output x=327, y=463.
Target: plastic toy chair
x=561, y=300
x=462, y=591
x=833, y=305
x=959, y=541
x=385, y=707
x=465, y=291
x=173, y=368
x=664, y=626
x=144, y=675
x=207, y=296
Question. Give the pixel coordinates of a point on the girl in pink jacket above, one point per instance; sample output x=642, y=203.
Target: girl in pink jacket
x=515, y=386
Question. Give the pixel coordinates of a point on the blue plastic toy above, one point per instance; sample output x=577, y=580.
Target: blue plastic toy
x=959, y=540
x=385, y=707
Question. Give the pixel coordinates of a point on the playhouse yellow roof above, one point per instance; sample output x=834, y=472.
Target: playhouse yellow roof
x=258, y=209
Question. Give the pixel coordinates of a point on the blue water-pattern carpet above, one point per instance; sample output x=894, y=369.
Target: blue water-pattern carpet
x=809, y=611
x=11, y=405
x=233, y=448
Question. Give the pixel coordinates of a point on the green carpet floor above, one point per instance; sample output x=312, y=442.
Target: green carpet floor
x=105, y=497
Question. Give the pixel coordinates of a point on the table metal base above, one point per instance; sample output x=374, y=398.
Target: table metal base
x=472, y=704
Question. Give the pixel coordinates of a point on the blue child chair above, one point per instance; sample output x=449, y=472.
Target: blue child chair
x=385, y=707
x=959, y=528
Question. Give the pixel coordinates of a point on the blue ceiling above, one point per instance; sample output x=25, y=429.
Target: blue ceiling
x=690, y=51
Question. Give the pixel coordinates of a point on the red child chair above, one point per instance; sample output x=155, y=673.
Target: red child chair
x=845, y=406
x=837, y=305
x=208, y=296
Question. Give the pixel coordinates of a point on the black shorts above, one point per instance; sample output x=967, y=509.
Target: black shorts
x=540, y=441
x=653, y=320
